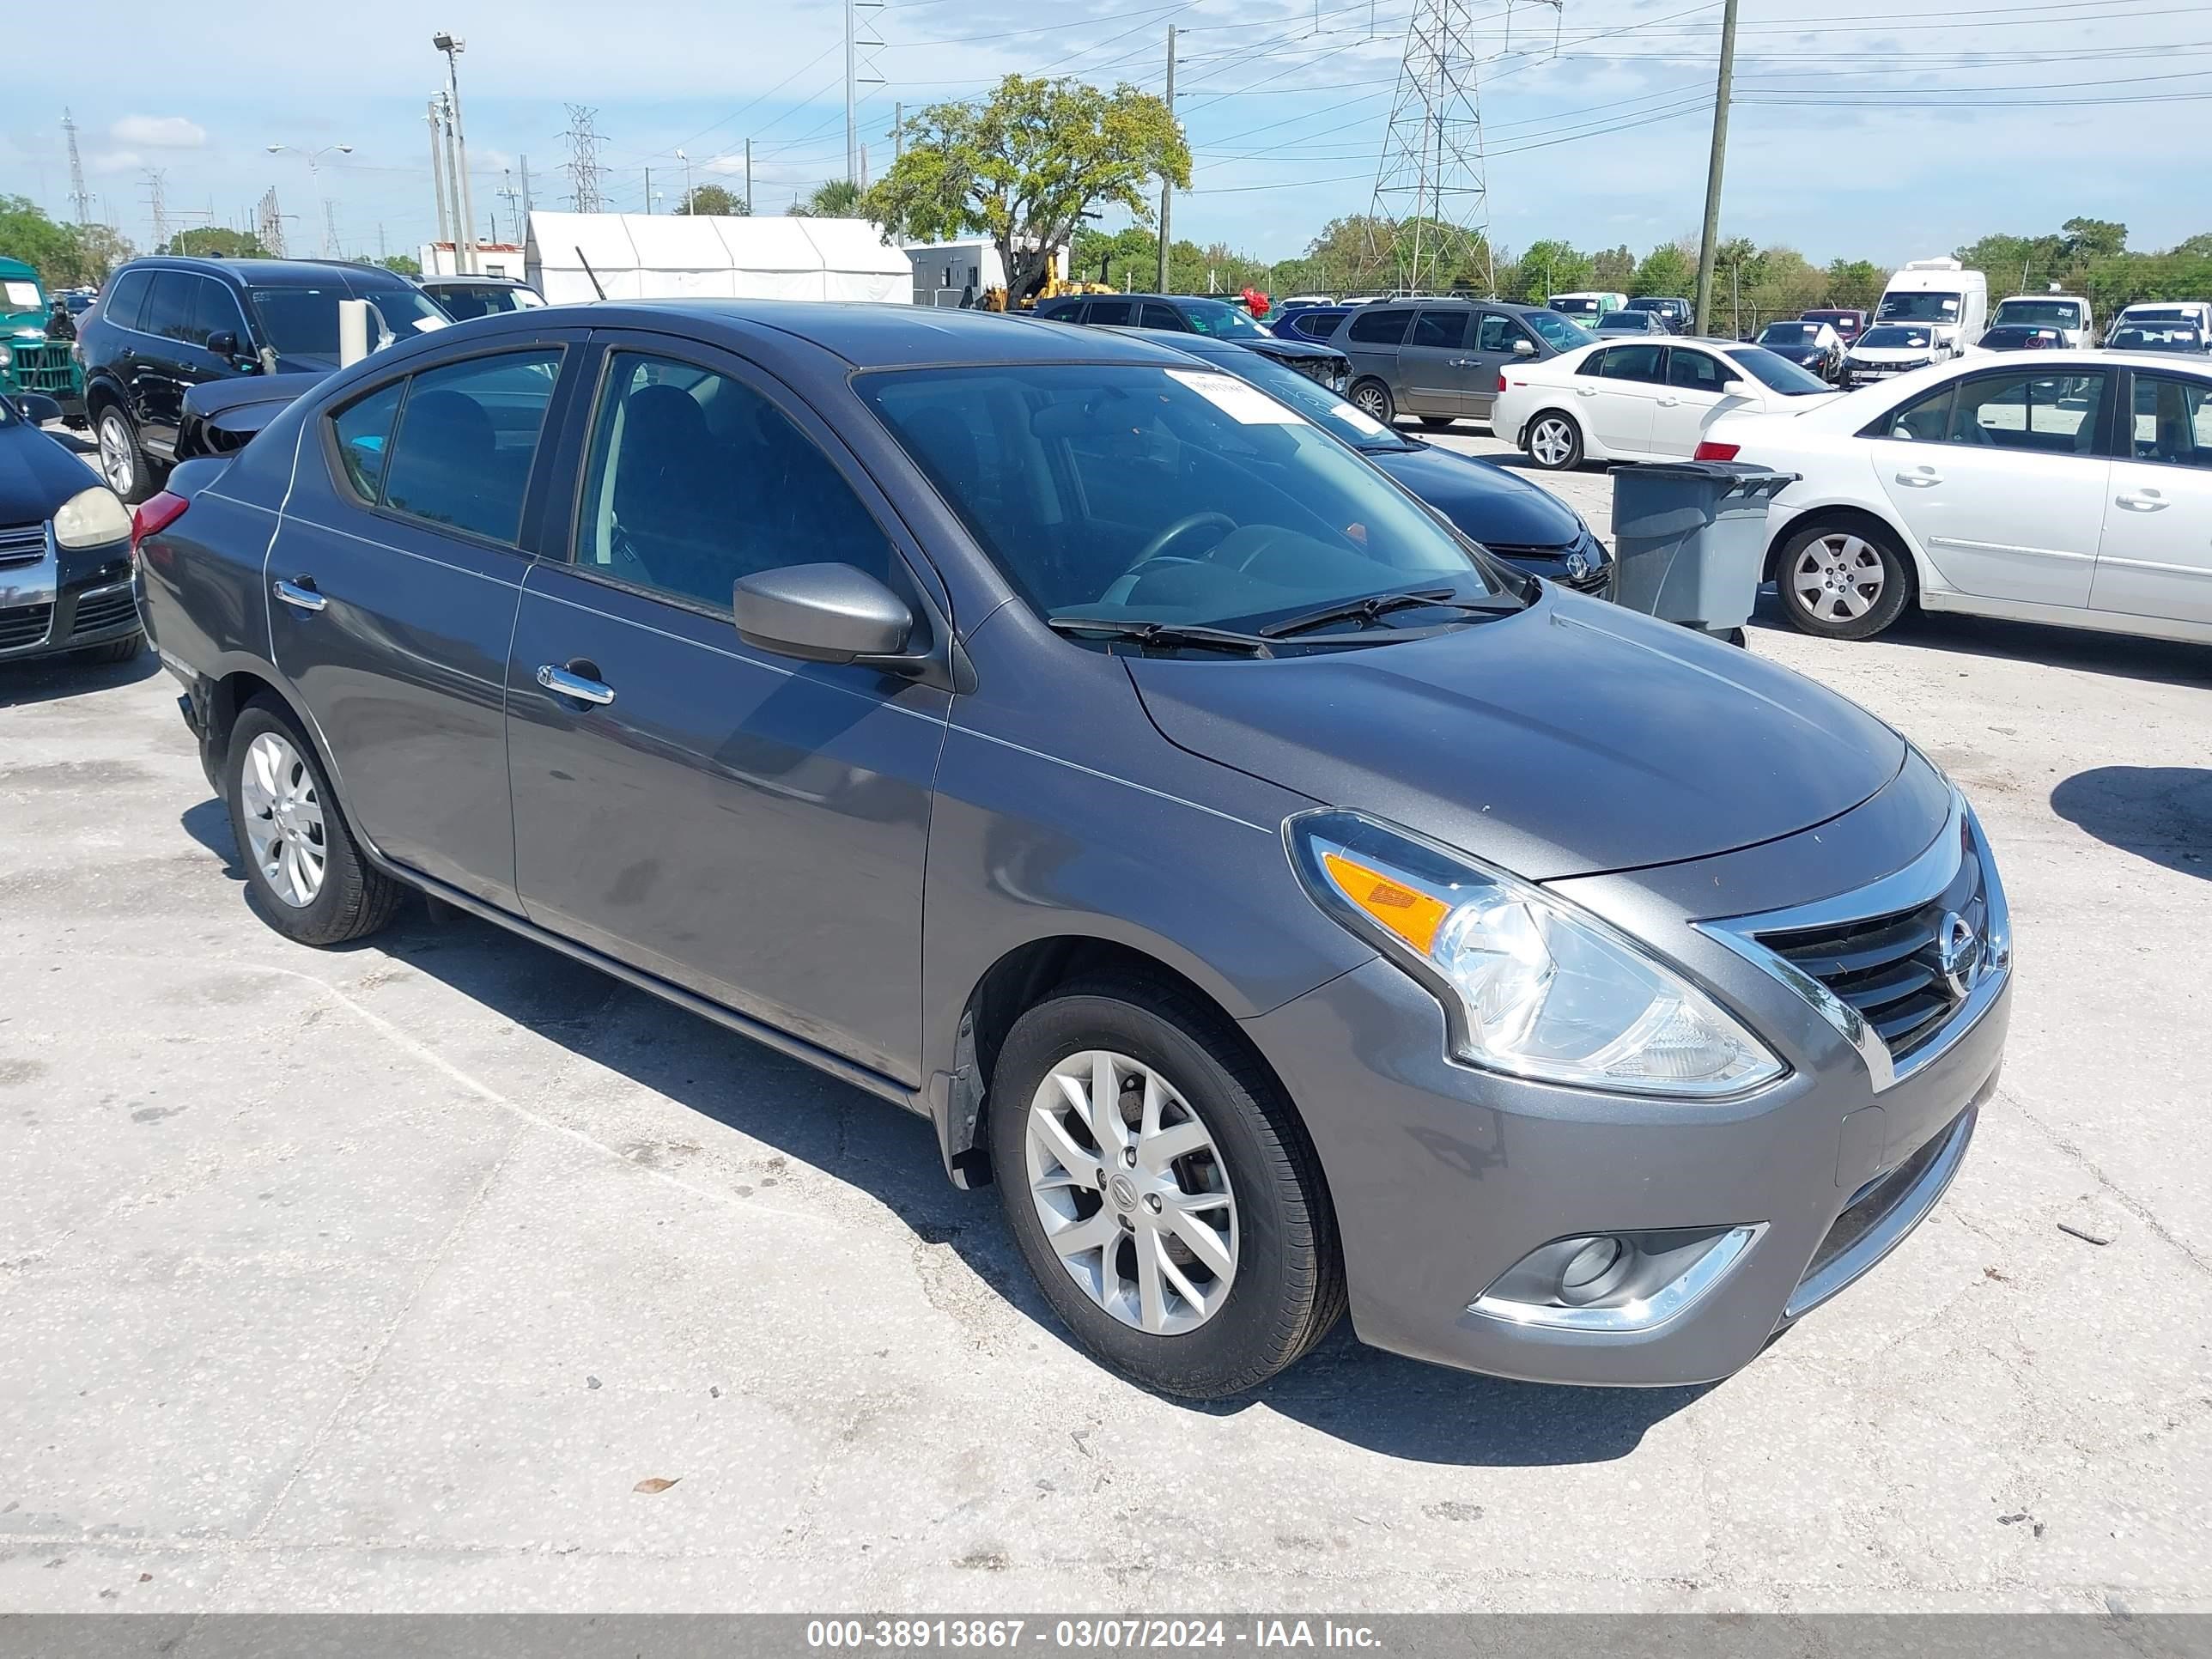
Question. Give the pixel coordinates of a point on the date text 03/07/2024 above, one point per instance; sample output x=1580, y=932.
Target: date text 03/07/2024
x=1081, y=1635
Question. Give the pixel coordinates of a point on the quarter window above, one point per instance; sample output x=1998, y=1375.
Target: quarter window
x=1441, y=328
x=695, y=480
x=468, y=433
x=2172, y=420
x=1370, y=327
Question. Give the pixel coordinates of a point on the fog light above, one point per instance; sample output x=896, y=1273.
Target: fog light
x=1615, y=1282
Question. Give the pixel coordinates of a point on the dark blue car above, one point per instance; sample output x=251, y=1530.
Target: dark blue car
x=64, y=547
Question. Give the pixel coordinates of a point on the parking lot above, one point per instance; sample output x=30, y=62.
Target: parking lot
x=442, y=1273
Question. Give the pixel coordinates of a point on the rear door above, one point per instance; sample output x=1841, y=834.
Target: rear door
x=2002, y=477
x=1370, y=339
x=393, y=580
x=1618, y=392
x=1433, y=363
x=2155, y=558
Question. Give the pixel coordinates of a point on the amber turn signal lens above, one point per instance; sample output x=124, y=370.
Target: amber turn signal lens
x=1413, y=915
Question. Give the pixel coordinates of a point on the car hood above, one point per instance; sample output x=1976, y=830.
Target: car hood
x=1796, y=354
x=1283, y=347
x=37, y=475
x=1570, y=739
x=1485, y=502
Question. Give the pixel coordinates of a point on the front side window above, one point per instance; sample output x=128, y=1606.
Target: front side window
x=1221, y=321
x=169, y=307
x=1441, y=328
x=2172, y=420
x=1170, y=495
x=1158, y=316
x=1634, y=362
x=468, y=434
x=216, y=312
x=1498, y=333
x=1556, y=330
x=1372, y=326
x=1778, y=373
x=695, y=480
x=1693, y=371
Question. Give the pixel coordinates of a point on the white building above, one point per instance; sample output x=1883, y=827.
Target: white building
x=492, y=259
x=574, y=257
x=946, y=272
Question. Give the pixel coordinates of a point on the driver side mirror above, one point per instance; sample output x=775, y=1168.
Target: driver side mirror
x=222, y=343
x=1736, y=387
x=37, y=408
x=1524, y=348
x=828, y=613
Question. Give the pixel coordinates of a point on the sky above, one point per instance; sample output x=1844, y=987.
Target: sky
x=1894, y=132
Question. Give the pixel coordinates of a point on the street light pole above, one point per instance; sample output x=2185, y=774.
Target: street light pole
x=464, y=247
x=313, y=159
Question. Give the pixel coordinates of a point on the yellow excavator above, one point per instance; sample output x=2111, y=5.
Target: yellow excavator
x=994, y=299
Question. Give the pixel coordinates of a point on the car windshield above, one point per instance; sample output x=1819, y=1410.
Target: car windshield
x=2157, y=337
x=1173, y=496
x=2019, y=336
x=1628, y=322
x=1311, y=399
x=2048, y=313
x=1789, y=334
x=1577, y=307
x=1876, y=339
x=1222, y=322
x=303, y=322
x=1556, y=330
x=1918, y=308
x=1778, y=373
x=22, y=296
x=461, y=301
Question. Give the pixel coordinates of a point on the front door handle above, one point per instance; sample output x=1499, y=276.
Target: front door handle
x=1669, y=403
x=563, y=684
x=2149, y=500
x=1920, y=480
x=1585, y=392
x=1463, y=362
x=300, y=595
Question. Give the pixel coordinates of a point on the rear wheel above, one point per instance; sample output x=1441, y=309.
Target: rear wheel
x=307, y=878
x=122, y=463
x=1553, y=442
x=1161, y=1190
x=1842, y=582
x=1373, y=397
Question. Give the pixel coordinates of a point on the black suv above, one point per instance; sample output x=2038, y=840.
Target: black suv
x=1193, y=313
x=164, y=325
x=1675, y=314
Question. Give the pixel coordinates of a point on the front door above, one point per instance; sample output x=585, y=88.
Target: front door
x=748, y=826
x=1691, y=396
x=2155, y=559
x=392, y=580
x=2000, y=479
x=1433, y=363
x=1496, y=334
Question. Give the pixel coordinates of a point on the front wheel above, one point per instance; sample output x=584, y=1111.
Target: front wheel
x=1161, y=1190
x=1373, y=398
x=1554, y=442
x=1842, y=582
x=307, y=878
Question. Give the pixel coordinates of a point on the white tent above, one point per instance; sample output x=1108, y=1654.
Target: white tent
x=639, y=256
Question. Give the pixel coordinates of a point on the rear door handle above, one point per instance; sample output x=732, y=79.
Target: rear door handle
x=2149, y=500
x=1585, y=392
x=300, y=595
x=1920, y=480
x=561, y=682
x=1669, y=403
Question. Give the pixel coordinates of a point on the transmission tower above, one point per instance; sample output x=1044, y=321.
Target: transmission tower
x=330, y=228
x=270, y=221
x=1429, y=186
x=584, y=169
x=155, y=181
x=80, y=199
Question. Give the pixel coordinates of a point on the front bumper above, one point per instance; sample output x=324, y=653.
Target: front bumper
x=66, y=598
x=1444, y=1176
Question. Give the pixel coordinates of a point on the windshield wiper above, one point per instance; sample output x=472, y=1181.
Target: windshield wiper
x=1367, y=611
x=1163, y=634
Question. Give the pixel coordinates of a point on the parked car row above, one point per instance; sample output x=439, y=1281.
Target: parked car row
x=1078, y=746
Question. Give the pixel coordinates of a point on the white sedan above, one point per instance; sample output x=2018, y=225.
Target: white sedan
x=1648, y=401
x=2071, y=487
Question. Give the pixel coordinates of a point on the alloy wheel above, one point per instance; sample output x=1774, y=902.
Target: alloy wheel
x=1551, y=441
x=1369, y=397
x=119, y=454
x=283, y=820
x=1839, y=577
x=1131, y=1192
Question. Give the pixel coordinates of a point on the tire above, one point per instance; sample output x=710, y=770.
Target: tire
x=1373, y=398
x=348, y=899
x=126, y=649
x=1842, y=580
x=1285, y=1288
x=123, y=463
x=1553, y=441
x=1438, y=422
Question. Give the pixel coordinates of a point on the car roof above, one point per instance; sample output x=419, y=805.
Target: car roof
x=869, y=334
x=273, y=273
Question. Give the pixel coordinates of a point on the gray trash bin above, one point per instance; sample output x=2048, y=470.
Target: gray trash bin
x=1689, y=539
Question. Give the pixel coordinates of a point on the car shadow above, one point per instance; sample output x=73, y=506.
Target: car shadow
x=43, y=679
x=2162, y=813
x=1399, y=1407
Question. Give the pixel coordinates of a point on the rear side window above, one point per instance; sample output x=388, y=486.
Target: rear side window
x=2172, y=420
x=1441, y=328
x=1316, y=327
x=468, y=433
x=1634, y=362
x=128, y=299
x=1386, y=327
x=1112, y=310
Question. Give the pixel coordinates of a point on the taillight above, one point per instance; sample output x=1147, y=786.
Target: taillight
x=1501, y=379
x=154, y=514
x=1710, y=450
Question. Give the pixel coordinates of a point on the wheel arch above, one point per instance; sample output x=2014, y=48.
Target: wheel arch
x=101, y=392
x=1843, y=515
x=1582, y=432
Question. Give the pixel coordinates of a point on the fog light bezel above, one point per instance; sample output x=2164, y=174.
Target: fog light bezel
x=1719, y=1252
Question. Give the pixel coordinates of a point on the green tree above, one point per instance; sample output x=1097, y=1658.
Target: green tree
x=714, y=201
x=405, y=263
x=1854, y=284
x=27, y=235
x=1667, y=272
x=835, y=198
x=1025, y=166
x=214, y=242
x=1613, y=269
x=1129, y=258
x=2094, y=239
x=1548, y=266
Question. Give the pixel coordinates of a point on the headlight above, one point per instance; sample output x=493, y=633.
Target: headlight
x=7, y=356
x=91, y=519
x=1531, y=986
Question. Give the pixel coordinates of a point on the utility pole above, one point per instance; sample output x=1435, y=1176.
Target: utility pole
x=1708, y=245
x=648, y=191
x=453, y=45
x=749, y=176
x=1167, y=190
x=438, y=175
x=78, y=199
x=522, y=165
x=851, y=134
x=898, y=134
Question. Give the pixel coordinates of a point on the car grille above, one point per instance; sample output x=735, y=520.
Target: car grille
x=21, y=544
x=103, y=610
x=45, y=366
x=1891, y=968
x=1550, y=563
x=25, y=624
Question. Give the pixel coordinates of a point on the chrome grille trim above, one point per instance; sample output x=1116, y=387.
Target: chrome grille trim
x=21, y=544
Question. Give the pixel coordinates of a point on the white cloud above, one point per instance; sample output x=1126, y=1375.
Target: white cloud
x=159, y=133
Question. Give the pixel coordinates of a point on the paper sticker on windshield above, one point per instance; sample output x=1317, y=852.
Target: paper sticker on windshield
x=1246, y=404
x=1360, y=420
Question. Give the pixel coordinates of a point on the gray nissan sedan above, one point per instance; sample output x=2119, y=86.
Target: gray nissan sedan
x=1286, y=904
